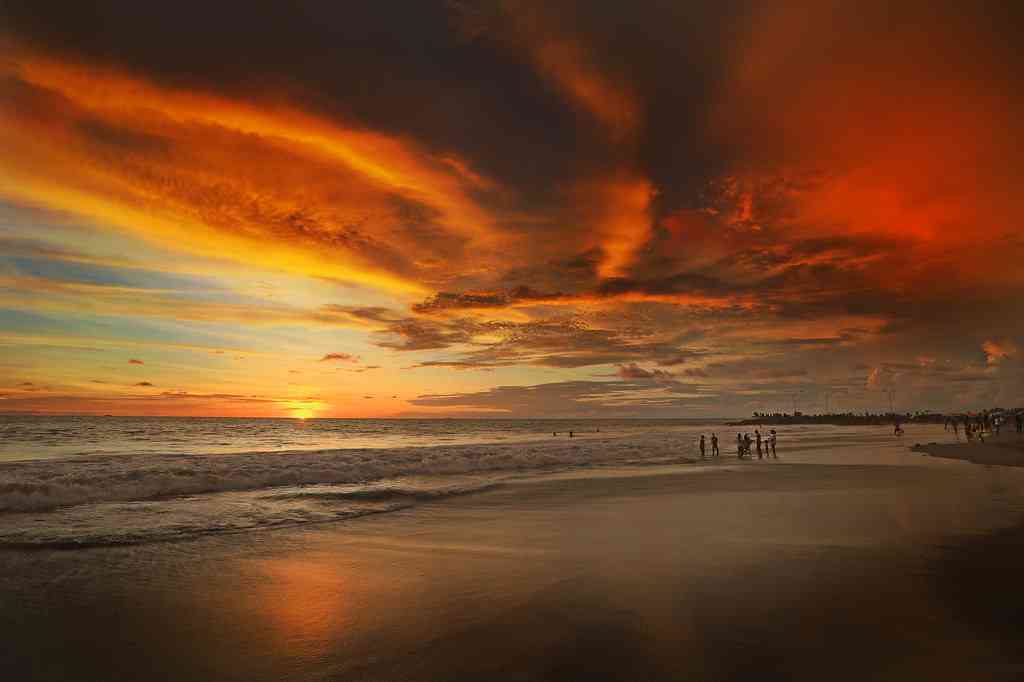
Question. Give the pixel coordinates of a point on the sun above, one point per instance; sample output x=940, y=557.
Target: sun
x=303, y=409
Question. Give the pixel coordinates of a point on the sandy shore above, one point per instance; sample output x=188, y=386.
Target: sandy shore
x=851, y=563
x=1005, y=451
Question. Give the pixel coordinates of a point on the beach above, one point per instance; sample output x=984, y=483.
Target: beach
x=1005, y=451
x=850, y=557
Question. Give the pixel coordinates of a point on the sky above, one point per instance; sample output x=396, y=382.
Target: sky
x=510, y=208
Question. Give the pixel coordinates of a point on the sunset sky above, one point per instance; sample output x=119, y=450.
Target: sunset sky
x=510, y=207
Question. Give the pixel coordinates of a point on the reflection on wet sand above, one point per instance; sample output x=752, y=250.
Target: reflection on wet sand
x=302, y=602
x=847, y=564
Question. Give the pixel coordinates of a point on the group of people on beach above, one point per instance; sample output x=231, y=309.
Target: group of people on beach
x=976, y=426
x=766, y=445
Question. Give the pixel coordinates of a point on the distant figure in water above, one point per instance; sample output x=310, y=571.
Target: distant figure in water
x=570, y=434
x=771, y=442
x=757, y=433
x=714, y=445
x=702, y=446
x=739, y=446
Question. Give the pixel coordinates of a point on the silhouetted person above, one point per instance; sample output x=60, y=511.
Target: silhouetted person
x=714, y=445
x=757, y=433
x=702, y=446
x=739, y=446
x=771, y=442
x=570, y=434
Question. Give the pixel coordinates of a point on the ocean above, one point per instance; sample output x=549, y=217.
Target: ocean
x=48, y=437
x=84, y=481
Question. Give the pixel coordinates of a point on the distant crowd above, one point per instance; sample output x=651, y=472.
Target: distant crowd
x=975, y=427
x=766, y=445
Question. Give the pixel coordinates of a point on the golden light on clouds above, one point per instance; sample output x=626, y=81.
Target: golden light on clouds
x=504, y=202
x=221, y=176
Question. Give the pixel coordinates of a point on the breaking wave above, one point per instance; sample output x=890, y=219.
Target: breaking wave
x=43, y=485
x=105, y=500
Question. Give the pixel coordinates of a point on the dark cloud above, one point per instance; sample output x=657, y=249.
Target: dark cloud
x=634, y=371
x=359, y=314
x=467, y=301
x=339, y=357
x=572, y=399
x=560, y=342
x=412, y=334
x=144, y=383
x=133, y=361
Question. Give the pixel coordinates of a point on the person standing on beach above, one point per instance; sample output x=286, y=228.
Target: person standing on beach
x=771, y=442
x=757, y=434
x=714, y=445
x=739, y=446
x=702, y=446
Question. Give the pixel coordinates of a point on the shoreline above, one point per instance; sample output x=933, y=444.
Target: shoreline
x=732, y=572
x=992, y=452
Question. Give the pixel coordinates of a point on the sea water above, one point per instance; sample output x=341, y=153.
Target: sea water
x=86, y=481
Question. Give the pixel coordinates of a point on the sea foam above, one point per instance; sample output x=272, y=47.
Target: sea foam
x=42, y=485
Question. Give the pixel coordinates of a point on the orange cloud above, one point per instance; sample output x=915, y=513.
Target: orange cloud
x=619, y=213
x=256, y=183
x=998, y=351
x=617, y=203
x=566, y=62
x=896, y=134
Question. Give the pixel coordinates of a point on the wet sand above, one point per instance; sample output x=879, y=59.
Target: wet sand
x=1007, y=450
x=867, y=561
